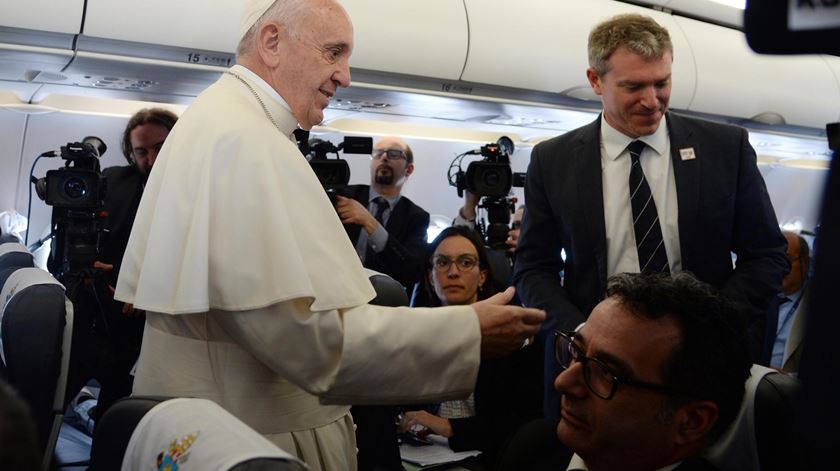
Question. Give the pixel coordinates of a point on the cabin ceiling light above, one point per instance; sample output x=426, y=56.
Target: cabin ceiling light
x=517, y=121
x=808, y=164
x=28, y=108
x=769, y=117
x=581, y=93
x=739, y=4
x=794, y=225
x=344, y=104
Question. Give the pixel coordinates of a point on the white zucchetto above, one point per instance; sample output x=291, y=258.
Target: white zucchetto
x=251, y=12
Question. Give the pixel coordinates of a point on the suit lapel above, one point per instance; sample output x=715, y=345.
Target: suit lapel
x=586, y=158
x=395, y=220
x=687, y=177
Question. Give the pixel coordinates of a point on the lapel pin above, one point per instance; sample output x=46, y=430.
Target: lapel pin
x=687, y=154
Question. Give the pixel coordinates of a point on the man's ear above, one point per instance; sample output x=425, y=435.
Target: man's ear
x=269, y=39
x=594, y=80
x=694, y=421
x=409, y=169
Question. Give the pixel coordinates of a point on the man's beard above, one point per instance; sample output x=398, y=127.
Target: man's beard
x=384, y=176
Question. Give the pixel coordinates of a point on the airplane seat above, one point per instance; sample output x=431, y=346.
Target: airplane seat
x=419, y=297
x=114, y=429
x=534, y=447
x=5, y=238
x=147, y=432
x=779, y=444
x=389, y=292
x=36, y=324
x=376, y=431
x=501, y=268
x=764, y=435
x=14, y=254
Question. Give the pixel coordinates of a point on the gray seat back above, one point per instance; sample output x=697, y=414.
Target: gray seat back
x=36, y=324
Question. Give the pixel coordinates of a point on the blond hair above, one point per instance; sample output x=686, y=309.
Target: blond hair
x=638, y=33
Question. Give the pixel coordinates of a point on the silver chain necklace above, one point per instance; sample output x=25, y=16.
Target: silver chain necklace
x=257, y=96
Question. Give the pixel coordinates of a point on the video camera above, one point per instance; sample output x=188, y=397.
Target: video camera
x=491, y=179
x=76, y=193
x=334, y=174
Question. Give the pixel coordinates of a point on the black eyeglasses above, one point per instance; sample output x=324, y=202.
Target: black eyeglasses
x=393, y=154
x=463, y=262
x=599, y=377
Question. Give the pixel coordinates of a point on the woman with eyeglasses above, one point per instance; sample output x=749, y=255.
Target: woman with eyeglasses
x=508, y=390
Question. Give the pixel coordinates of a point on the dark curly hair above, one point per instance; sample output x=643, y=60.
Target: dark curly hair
x=158, y=116
x=712, y=360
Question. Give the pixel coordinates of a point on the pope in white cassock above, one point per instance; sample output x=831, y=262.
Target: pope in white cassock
x=255, y=297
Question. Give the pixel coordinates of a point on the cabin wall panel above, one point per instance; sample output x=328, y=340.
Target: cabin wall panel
x=12, y=125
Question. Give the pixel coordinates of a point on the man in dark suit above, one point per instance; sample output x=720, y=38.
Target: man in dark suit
x=703, y=198
x=387, y=229
x=653, y=377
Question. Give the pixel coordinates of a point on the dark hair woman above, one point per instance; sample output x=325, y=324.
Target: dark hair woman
x=508, y=390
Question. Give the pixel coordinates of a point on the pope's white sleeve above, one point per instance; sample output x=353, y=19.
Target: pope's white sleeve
x=366, y=354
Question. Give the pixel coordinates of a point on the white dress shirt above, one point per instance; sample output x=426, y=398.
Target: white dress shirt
x=618, y=215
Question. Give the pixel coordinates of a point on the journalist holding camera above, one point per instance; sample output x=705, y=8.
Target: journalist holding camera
x=467, y=216
x=488, y=202
x=108, y=340
x=387, y=229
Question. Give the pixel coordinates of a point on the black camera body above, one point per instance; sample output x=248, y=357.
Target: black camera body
x=334, y=174
x=491, y=179
x=490, y=176
x=76, y=193
x=79, y=184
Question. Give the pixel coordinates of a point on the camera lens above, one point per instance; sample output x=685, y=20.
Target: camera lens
x=75, y=188
x=492, y=179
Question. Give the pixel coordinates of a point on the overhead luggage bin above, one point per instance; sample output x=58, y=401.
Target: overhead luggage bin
x=65, y=16
x=32, y=42
x=542, y=45
x=424, y=38
x=732, y=80
x=189, y=24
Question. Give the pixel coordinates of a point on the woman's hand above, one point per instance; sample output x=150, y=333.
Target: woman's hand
x=431, y=422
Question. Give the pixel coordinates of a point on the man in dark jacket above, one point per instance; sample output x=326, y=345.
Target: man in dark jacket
x=387, y=229
x=108, y=333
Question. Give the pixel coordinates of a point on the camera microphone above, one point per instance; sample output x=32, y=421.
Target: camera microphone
x=96, y=143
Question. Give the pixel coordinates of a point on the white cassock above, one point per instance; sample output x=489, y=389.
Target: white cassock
x=255, y=296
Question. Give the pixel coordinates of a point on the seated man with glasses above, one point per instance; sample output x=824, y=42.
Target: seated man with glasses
x=387, y=229
x=653, y=376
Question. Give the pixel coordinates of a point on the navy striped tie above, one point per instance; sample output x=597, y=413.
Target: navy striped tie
x=381, y=206
x=649, y=242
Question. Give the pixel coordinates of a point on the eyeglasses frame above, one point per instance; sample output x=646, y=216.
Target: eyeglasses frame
x=383, y=152
x=454, y=261
x=616, y=379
